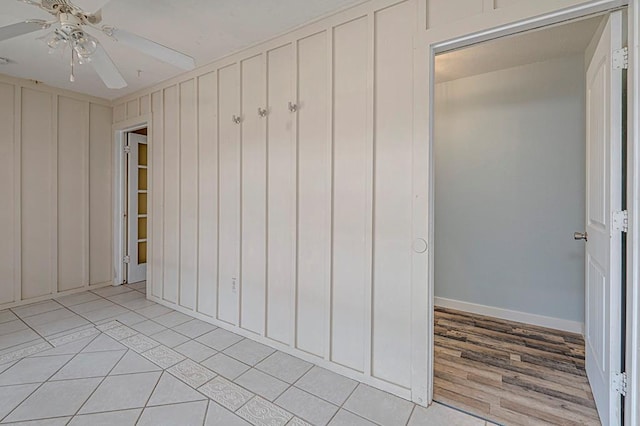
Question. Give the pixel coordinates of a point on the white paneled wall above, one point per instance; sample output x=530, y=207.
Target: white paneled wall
x=290, y=182
x=254, y=195
x=266, y=184
x=351, y=203
x=55, y=186
x=281, y=195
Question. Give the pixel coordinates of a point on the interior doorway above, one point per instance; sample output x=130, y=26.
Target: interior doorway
x=136, y=185
x=521, y=163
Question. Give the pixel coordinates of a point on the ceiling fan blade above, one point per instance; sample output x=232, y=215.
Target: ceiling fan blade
x=106, y=69
x=32, y=2
x=90, y=6
x=152, y=48
x=15, y=30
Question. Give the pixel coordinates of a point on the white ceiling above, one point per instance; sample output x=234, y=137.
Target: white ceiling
x=204, y=29
x=526, y=48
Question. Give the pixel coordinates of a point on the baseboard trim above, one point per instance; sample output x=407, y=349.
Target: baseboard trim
x=506, y=314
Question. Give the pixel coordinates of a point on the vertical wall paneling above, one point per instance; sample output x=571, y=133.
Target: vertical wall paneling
x=100, y=195
x=314, y=196
x=281, y=213
x=55, y=183
x=7, y=194
x=229, y=174
x=73, y=150
x=145, y=104
x=349, y=193
x=119, y=113
x=188, y=195
x=171, y=273
x=393, y=199
x=499, y=4
x=133, y=108
x=157, y=199
x=254, y=194
x=207, y=194
x=444, y=12
x=37, y=193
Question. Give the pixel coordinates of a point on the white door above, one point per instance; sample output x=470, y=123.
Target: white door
x=137, y=208
x=603, y=198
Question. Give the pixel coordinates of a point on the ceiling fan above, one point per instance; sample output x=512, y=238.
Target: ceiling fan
x=69, y=31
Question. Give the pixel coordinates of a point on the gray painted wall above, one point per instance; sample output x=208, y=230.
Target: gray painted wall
x=510, y=189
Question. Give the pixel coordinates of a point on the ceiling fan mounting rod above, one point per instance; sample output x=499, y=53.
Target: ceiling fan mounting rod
x=70, y=21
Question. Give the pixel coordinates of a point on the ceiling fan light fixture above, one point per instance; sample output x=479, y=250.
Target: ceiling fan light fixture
x=84, y=45
x=55, y=41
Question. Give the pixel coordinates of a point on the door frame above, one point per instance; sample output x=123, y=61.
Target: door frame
x=432, y=42
x=120, y=131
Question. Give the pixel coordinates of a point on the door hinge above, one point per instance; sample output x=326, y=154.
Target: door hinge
x=126, y=259
x=621, y=221
x=619, y=383
x=620, y=59
x=127, y=149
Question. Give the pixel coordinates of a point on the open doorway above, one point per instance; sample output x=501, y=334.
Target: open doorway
x=136, y=185
x=515, y=178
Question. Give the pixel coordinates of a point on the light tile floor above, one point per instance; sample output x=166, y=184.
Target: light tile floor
x=112, y=357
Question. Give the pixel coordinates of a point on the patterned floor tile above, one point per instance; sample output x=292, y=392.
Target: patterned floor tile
x=24, y=352
x=72, y=337
x=192, y=373
x=263, y=413
x=298, y=422
x=163, y=356
x=107, y=325
x=140, y=343
x=121, y=332
x=225, y=393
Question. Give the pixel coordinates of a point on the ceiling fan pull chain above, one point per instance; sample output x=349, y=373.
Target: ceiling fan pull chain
x=72, y=78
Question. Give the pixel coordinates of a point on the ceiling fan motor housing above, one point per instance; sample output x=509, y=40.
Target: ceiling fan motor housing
x=55, y=6
x=70, y=13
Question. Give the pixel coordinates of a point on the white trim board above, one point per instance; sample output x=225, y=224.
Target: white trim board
x=506, y=314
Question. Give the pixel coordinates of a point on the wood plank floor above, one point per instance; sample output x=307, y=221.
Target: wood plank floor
x=511, y=373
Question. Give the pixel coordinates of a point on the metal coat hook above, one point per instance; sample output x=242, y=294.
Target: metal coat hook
x=262, y=112
x=293, y=107
x=236, y=119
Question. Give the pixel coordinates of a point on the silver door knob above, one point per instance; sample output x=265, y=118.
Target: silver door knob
x=580, y=236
